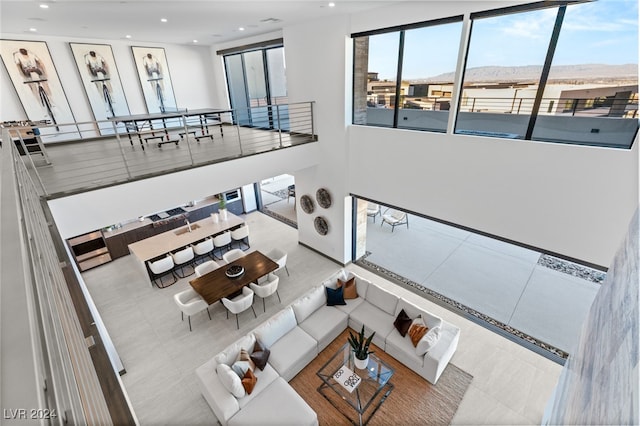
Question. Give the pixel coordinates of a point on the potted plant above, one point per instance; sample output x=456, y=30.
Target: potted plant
x=360, y=346
x=222, y=207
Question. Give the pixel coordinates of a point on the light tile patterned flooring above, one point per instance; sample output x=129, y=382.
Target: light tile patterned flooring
x=511, y=384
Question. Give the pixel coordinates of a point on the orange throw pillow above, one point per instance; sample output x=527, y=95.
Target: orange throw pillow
x=249, y=381
x=417, y=332
x=349, y=290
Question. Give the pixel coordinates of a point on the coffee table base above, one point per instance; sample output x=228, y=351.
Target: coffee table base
x=363, y=418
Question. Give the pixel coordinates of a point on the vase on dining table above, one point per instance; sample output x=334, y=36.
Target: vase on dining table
x=215, y=217
x=223, y=214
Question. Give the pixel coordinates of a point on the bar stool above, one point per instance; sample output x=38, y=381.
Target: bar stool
x=203, y=248
x=222, y=241
x=161, y=268
x=241, y=234
x=183, y=258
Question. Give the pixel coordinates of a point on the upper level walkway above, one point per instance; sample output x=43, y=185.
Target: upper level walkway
x=67, y=167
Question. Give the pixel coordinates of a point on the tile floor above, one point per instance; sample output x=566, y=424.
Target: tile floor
x=511, y=384
x=498, y=279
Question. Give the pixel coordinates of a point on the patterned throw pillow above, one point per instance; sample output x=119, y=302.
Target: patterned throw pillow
x=249, y=381
x=260, y=356
x=243, y=363
x=417, y=330
x=349, y=290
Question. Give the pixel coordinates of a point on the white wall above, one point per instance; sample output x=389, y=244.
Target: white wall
x=81, y=213
x=189, y=66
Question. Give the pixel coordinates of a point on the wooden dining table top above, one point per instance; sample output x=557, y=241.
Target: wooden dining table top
x=215, y=285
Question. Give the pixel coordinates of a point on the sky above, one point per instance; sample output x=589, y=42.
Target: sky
x=604, y=31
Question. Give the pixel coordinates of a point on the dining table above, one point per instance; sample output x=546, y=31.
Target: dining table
x=215, y=285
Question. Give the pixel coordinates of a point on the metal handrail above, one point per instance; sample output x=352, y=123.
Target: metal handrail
x=126, y=156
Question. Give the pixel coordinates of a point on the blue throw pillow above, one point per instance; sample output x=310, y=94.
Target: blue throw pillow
x=335, y=296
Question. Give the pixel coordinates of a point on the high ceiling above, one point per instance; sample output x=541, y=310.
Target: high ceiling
x=208, y=22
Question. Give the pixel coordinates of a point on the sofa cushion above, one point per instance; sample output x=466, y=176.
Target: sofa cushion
x=350, y=305
x=259, y=355
x=264, y=379
x=230, y=380
x=309, y=303
x=230, y=354
x=335, y=296
x=349, y=289
x=325, y=324
x=278, y=404
x=275, y=327
x=402, y=323
x=292, y=353
x=383, y=299
x=430, y=320
x=374, y=319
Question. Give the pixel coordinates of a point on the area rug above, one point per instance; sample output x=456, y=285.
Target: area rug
x=412, y=401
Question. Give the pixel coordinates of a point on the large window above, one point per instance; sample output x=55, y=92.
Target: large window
x=256, y=80
x=562, y=72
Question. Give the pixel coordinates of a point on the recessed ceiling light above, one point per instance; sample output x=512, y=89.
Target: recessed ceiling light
x=332, y=4
x=163, y=19
x=44, y=6
x=33, y=30
x=195, y=41
x=240, y=28
x=127, y=36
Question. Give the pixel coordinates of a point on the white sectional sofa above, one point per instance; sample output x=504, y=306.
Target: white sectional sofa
x=296, y=335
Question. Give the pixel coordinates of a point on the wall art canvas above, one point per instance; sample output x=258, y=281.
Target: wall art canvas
x=151, y=64
x=38, y=86
x=101, y=81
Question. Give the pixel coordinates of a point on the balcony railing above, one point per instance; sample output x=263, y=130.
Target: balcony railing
x=97, y=154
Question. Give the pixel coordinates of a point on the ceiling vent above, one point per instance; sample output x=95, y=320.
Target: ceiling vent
x=271, y=20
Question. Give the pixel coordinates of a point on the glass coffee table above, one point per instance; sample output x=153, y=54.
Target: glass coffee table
x=363, y=390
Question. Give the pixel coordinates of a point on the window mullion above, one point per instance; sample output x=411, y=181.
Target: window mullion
x=396, y=105
x=544, y=76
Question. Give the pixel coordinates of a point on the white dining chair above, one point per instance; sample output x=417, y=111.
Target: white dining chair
x=190, y=303
x=161, y=268
x=240, y=304
x=280, y=257
x=206, y=267
x=241, y=236
x=232, y=255
x=266, y=288
x=222, y=242
x=203, y=248
x=182, y=259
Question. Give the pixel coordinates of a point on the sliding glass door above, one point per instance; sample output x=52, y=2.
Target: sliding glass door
x=257, y=80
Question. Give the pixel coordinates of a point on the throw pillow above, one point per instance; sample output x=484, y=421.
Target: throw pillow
x=428, y=341
x=335, y=297
x=349, y=289
x=249, y=381
x=417, y=330
x=243, y=363
x=260, y=356
x=402, y=323
x=230, y=380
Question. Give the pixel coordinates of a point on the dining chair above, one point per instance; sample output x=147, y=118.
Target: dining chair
x=161, y=268
x=266, y=288
x=240, y=304
x=203, y=249
x=232, y=255
x=189, y=302
x=221, y=242
x=206, y=267
x=395, y=218
x=280, y=257
x=241, y=236
x=183, y=258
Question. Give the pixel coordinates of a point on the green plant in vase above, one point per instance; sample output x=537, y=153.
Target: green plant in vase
x=360, y=345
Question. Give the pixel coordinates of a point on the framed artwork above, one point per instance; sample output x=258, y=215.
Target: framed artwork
x=101, y=81
x=153, y=71
x=38, y=86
